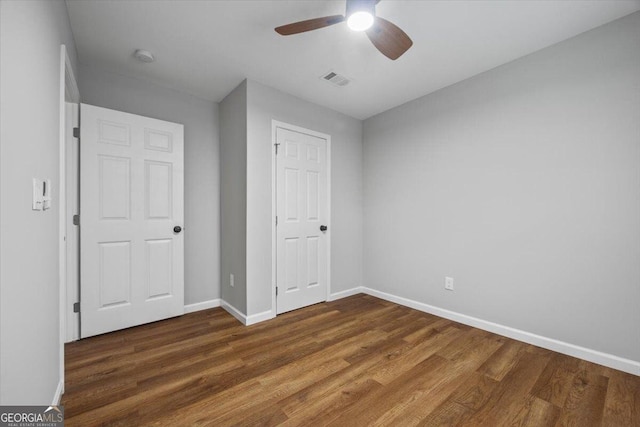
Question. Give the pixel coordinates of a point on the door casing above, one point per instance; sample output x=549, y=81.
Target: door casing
x=68, y=93
x=72, y=193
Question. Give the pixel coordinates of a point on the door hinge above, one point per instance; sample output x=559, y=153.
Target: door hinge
x=76, y=307
x=276, y=291
x=276, y=220
x=76, y=132
x=76, y=220
x=277, y=145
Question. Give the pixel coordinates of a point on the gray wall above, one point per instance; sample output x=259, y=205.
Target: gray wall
x=233, y=196
x=201, y=161
x=30, y=36
x=264, y=105
x=523, y=184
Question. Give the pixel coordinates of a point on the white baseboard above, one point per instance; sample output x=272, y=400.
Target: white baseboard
x=260, y=317
x=347, y=293
x=58, y=395
x=605, y=359
x=244, y=319
x=204, y=305
x=234, y=312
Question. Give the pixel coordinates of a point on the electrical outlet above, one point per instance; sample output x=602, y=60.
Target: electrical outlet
x=231, y=280
x=448, y=283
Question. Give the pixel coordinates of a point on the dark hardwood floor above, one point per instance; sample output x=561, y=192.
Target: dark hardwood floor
x=358, y=361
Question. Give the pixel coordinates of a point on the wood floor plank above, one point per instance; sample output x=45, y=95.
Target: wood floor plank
x=409, y=386
x=503, y=360
x=556, y=380
x=450, y=413
x=535, y=412
x=362, y=369
x=330, y=403
x=472, y=342
x=412, y=410
x=429, y=329
x=277, y=383
x=149, y=396
x=273, y=392
x=407, y=360
x=178, y=352
x=475, y=392
x=622, y=403
x=584, y=405
x=541, y=413
x=358, y=361
x=511, y=394
x=337, y=351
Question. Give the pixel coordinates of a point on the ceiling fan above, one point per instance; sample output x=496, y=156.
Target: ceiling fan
x=388, y=38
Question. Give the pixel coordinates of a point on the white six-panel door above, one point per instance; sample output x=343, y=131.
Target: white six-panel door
x=131, y=198
x=301, y=209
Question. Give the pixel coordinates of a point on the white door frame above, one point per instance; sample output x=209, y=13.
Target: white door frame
x=68, y=93
x=72, y=233
x=275, y=124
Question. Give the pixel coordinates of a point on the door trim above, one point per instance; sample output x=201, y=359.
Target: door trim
x=72, y=240
x=275, y=124
x=68, y=92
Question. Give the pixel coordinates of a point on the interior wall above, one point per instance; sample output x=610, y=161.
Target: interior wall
x=201, y=165
x=233, y=196
x=31, y=33
x=523, y=184
x=265, y=104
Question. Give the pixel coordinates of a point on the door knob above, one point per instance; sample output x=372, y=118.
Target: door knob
x=177, y=229
x=323, y=228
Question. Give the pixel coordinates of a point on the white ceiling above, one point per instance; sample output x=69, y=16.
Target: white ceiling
x=206, y=48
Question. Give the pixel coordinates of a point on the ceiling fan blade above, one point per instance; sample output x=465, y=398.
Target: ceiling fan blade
x=308, y=25
x=389, y=39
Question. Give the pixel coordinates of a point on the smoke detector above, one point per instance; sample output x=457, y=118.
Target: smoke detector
x=336, y=79
x=144, y=55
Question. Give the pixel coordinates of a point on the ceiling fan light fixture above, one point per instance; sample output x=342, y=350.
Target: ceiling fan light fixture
x=360, y=14
x=360, y=21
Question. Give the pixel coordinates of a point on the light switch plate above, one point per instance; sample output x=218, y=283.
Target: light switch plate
x=38, y=198
x=46, y=199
